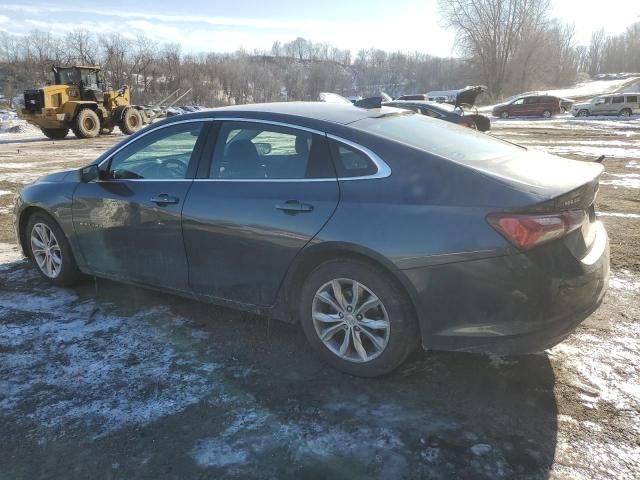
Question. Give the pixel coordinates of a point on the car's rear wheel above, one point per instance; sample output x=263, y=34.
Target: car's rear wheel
x=546, y=114
x=50, y=251
x=583, y=113
x=504, y=115
x=625, y=112
x=357, y=317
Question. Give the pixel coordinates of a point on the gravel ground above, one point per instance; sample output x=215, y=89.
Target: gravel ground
x=108, y=381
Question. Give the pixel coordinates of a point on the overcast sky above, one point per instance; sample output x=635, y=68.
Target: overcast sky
x=225, y=26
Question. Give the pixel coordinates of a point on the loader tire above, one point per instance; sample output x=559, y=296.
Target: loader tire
x=86, y=124
x=131, y=121
x=55, y=133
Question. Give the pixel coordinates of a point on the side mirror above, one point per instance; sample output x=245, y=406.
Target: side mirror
x=90, y=173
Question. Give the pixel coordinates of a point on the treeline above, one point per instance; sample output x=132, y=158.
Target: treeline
x=533, y=53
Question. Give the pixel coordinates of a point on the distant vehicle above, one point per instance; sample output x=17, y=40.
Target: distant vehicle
x=466, y=95
x=566, y=104
x=622, y=104
x=544, y=106
x=446, y=112
x=79, y=100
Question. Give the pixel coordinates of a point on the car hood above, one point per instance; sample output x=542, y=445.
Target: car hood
x=468, y=95
x=500, y=105
x=539, y=173
x=58, y=177
x=577, y=105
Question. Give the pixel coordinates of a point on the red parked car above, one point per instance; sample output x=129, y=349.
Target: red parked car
x=529, y=106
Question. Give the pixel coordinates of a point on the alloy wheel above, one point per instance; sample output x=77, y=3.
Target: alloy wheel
x=46, y=250
x=350, y=320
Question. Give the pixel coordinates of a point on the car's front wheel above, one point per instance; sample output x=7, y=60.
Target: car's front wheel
x=583, y=113
x=50, y=250
x=357, y=317
x=504, y=114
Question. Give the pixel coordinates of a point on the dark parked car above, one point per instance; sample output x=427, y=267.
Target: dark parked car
x=443, y=111
x=376, y=229
x=529, y=106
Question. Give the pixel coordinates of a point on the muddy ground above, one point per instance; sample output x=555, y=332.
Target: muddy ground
x=108, y=381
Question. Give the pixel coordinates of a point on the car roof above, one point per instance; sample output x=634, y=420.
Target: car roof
x=340, y=113
x=618, y=94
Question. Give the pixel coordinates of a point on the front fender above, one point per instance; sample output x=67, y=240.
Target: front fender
x=52, y=194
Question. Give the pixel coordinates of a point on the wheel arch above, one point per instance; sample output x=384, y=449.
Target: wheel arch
x=23, y=219
x=72, y=109
x=315, y=255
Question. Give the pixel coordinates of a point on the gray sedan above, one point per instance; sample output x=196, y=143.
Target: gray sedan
x=377, y=230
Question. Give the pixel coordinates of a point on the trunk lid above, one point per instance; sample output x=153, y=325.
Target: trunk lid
x=542, y=175
x=561, y=185
x=468, y=95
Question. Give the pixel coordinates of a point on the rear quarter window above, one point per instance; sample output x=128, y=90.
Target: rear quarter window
x=351, y=162
x=632, y=99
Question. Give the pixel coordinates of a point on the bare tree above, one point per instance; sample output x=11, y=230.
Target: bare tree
x=489, y=32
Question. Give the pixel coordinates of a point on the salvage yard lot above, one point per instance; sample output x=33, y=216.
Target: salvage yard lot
x=109, y=381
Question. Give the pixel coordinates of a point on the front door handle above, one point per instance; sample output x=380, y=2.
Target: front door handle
x=164, y=199
x=294, y=206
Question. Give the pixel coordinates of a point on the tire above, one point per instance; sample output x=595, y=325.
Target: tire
x=55, y=133
x=131, y=121
x=625, y=112
x=547, y=114
x=504, y=115
x=394, y=342
x=86, y=124
x=583, y=113
x=68, y=273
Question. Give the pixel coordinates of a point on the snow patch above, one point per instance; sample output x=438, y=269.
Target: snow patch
x=620, y=215
x=625, y=281
x=480, y=449
x=68, y=366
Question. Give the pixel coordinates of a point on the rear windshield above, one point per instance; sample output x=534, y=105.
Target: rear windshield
x=438, y=137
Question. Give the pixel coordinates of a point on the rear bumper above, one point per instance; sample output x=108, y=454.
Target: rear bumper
x=519, y=303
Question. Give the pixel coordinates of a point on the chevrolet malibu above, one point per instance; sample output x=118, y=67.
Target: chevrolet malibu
x=377, y=230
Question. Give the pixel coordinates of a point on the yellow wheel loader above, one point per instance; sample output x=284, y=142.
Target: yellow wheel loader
x=78, y=102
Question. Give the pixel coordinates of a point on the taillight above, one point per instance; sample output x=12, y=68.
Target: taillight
x=526, y=231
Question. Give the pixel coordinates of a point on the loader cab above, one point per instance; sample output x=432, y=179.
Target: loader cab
x=87, y=79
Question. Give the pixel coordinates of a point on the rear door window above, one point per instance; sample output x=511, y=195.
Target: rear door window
x=255, y=150
x=618, y=100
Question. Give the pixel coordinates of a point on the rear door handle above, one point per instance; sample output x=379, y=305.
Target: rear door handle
x=294, y=206
x=164, y=199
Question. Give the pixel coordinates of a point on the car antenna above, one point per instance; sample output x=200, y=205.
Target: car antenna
x=600, y=159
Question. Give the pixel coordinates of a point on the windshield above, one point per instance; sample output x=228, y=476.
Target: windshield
x=440, y=138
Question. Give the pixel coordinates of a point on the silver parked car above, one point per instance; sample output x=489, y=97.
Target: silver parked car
x=623, y=104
